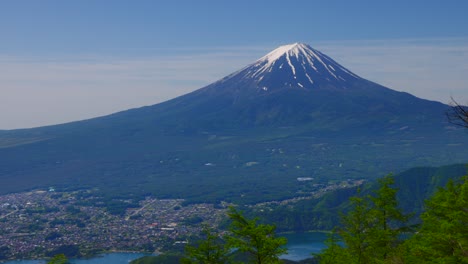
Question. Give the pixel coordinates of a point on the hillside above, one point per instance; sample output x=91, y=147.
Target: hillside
x=414, y=187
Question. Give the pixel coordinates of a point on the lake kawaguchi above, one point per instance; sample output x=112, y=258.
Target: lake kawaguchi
x=300, y=246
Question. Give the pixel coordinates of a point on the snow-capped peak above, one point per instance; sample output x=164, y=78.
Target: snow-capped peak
x=280, y=51
x=302, y=52
x=296, y=65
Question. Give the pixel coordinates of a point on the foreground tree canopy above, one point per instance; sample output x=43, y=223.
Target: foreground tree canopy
x=209, y=250
x=443, y=236
x=257, y=241
x=372, y=232
x=58, y=259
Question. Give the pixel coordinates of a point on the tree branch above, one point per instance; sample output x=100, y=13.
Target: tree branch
x=457, y=114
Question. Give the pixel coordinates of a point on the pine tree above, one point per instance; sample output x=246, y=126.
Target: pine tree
x=334, y=252
x=258, y=240
x=58, y=259
x=211, y=250
x=356, y=232
x=370, y=230
x=443, y=236
x=388, y=219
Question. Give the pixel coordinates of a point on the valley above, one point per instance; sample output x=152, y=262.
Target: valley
x=82, y=223
x=289, y=138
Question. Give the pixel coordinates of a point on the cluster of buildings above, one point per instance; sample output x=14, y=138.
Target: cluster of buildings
x=35, y=223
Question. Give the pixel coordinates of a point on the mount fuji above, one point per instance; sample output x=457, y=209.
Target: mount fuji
x=294, y=113
x=298, y=85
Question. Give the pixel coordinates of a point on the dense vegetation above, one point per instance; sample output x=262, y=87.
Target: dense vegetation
x=373, y=231
x=58, y=259
x=370, y=231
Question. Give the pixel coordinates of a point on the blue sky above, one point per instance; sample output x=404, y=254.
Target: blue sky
x=63, y=60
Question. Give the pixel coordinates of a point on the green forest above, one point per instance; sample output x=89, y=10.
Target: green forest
x=376, y=230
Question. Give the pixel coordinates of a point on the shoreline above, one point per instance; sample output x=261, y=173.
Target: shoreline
x=304, y=232
x=85, y=257
x=153, y=253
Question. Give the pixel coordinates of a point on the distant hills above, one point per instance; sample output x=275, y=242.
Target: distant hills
x=293, y=113
x=414, y=187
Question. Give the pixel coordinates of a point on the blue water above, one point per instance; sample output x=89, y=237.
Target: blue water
x=111, y=258
x=300, y=246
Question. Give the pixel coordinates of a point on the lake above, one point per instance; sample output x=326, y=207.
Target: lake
x=300, y=246
x=110, y=258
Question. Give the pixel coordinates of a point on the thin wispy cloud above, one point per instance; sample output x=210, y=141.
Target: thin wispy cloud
x=38, y=91
x=431, y=69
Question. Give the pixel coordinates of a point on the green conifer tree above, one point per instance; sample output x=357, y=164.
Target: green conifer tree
x=443, y=236
x=388, y=220
x=370, y=231
x=258, y=240
x=210, y=250
x=58, y=259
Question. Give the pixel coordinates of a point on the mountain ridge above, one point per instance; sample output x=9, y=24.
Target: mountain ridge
x=250, y=72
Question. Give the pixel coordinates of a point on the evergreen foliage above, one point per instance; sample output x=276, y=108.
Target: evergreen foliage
x=389, y=221
x=210, y=250
x=255, y=241
x=58, y=259
x=443, y=236
x=371, y=231
x=258, y=240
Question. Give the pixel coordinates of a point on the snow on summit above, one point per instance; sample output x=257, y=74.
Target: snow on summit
x=297, y=66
